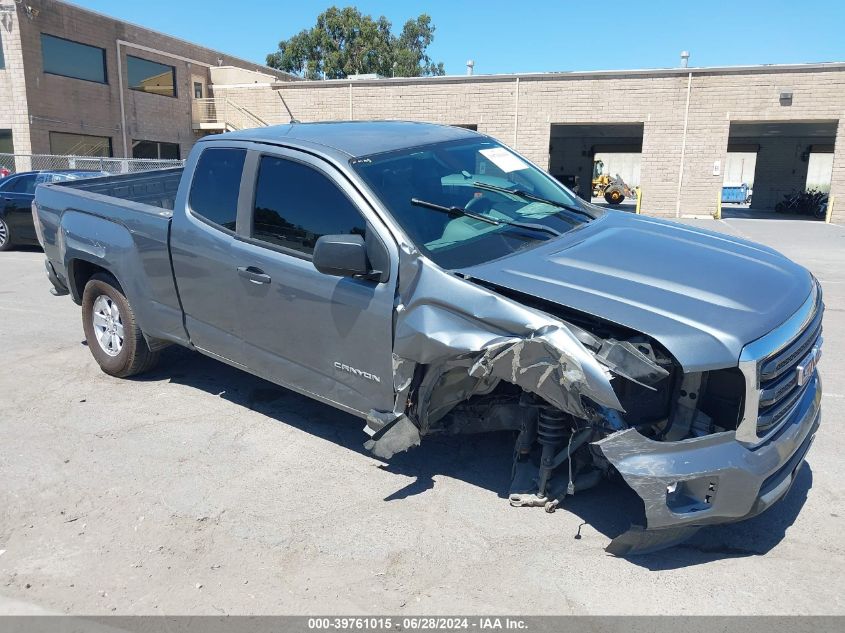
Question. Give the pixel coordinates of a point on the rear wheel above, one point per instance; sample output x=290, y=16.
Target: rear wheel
x=5, y=236
x=113, y=336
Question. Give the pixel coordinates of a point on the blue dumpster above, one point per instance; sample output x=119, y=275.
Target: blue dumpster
x=735, y=194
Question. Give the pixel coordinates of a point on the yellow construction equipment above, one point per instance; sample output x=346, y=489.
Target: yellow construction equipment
x=612, y=188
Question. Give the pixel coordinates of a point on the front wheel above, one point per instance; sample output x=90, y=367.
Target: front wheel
x=5, y=236
x=113, y=336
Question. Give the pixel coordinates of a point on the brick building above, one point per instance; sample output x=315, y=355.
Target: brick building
x=76, y=82
x=687, y=125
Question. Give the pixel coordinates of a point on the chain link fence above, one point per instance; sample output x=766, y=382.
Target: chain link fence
x=16, y=163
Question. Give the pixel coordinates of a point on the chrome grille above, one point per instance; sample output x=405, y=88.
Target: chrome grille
x=779, y=368
x=783, y=361
x=780, y=387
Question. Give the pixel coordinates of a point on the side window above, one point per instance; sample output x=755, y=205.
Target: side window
x=24, y=184
x=295, y=204
x=215, y=187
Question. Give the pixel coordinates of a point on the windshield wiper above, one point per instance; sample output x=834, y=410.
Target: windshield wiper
x=534, y=198
x=458, y=211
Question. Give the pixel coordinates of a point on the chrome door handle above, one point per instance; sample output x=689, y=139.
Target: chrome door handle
x=255, y=275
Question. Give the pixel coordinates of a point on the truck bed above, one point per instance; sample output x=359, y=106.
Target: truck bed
x=121, y=224
x=154, y=188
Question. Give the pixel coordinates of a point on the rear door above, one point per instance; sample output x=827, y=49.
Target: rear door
x=201, y=244
x=329, y=336
x=17, y=196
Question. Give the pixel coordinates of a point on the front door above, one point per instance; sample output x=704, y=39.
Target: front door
x=325, y=335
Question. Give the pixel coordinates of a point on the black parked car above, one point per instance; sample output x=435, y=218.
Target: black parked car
x=16, y=195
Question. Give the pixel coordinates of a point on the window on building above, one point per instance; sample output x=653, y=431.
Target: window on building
x=296, y=204
x=197, y=90
x=155, y=149
x=6, y=144
x=147, y=76
x=80, y=144
x=72, y=59
x=216, y=184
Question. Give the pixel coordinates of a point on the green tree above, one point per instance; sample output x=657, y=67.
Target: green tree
x=345, y=42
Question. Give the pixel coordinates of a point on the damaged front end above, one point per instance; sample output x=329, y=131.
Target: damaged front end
x=588, y=399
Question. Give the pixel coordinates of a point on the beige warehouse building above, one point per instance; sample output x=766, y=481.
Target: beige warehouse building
x=686, y=124
x=73, y=81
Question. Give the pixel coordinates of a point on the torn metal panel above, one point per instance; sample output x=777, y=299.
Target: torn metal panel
x=539, y=366
x=654, y=470
x=442, y=317
x=710, y=479
x=630, y=361
x=452, y=387
x=395, y=437
x=638, y=541
x=469, y=338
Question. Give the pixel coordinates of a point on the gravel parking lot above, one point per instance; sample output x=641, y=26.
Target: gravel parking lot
x=199, y=489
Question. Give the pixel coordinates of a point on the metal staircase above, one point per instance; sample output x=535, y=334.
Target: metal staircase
x=220, y=114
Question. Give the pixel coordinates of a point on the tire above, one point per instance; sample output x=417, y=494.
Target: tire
x=780, y=207
x=105, y=313
x=614, y=196
x=5, y=236
x=820, y=212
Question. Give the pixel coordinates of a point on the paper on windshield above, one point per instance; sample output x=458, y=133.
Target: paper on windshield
x=503, y=159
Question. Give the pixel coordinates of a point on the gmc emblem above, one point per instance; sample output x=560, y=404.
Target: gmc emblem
x=806, y=367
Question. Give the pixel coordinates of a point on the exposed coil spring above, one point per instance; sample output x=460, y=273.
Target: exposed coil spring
x=552, y=427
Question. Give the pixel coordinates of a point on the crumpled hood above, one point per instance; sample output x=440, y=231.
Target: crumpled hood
x=703, y=295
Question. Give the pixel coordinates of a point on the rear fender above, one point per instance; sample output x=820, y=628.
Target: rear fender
x=141, y=266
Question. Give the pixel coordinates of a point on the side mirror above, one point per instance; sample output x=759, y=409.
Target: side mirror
x=342, y=256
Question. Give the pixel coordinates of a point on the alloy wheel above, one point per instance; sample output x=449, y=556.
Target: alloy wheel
x=108, y=325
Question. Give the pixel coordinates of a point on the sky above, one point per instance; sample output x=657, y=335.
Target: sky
x=529, y=36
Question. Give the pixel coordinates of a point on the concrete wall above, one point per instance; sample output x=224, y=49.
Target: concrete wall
x=232, y=75
x=819, y=169
x=13, y=100
x=677, y=178
x=719, y=98
x=739, y=168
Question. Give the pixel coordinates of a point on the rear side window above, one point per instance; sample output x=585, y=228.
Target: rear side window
x=215, y=187
x=295, y=205
x=24, y=184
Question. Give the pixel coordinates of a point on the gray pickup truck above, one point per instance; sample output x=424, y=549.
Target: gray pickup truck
x=430, y=280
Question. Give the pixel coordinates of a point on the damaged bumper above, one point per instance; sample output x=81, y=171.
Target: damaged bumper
x=710, y=479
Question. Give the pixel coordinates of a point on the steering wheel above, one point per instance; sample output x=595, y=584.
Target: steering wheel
x=479, y=204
